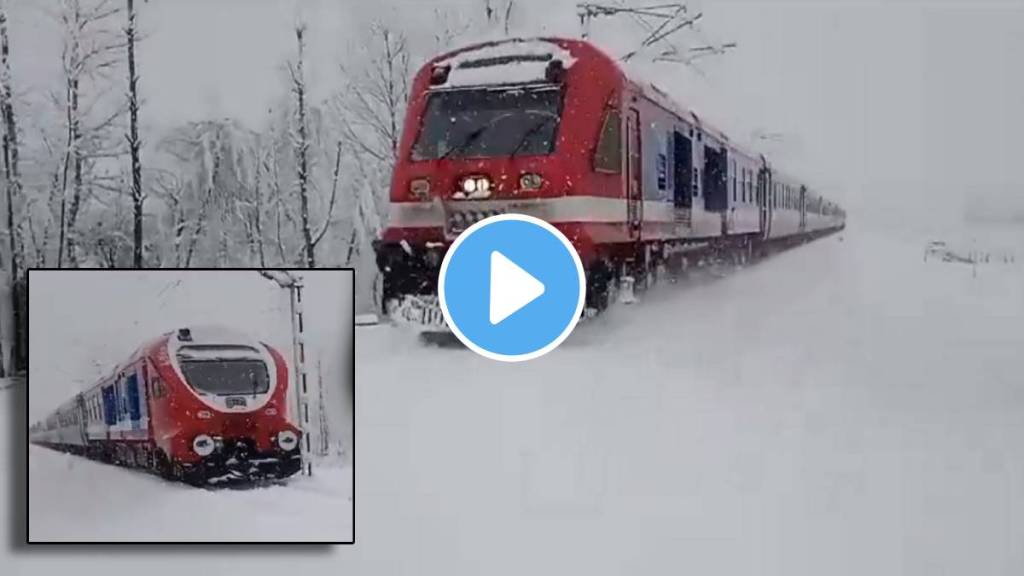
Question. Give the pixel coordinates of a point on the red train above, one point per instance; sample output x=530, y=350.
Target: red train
x=557, y=129
x=201, y=405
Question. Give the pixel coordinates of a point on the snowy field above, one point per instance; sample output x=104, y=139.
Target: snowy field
x=75, y=499
x=843, y=408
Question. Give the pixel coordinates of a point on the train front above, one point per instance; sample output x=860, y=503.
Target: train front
x=502, y=127
x=220, y=408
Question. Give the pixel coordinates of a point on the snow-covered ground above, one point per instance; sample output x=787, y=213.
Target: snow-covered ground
x=843, y=408
x=75, y=499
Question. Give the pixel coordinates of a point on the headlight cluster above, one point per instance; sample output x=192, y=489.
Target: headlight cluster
x=530, y=181
x=420, y=188
x=287, y=440
x=477, y=185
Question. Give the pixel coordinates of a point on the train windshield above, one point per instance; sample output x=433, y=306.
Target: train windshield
x=224, y=370
x=483, y=123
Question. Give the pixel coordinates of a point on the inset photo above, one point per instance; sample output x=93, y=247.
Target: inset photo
x=191, y=406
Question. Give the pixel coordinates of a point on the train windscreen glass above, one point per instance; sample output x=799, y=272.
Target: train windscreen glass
x=483, y=123
x=224, y=370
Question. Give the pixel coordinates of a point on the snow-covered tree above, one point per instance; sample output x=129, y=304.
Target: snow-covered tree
x=134, y=143
x=499, y=13
x=13, y=197
x=91, y=50
x=300, y=143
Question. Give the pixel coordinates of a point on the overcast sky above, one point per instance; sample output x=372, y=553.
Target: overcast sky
x=82, y=323
x=903, y=109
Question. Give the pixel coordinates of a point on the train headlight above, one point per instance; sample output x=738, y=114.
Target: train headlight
x=287, y=440
x=439, y=74
x=478, y=186
x=203, y=445
x=530, y=181
x=420, y=188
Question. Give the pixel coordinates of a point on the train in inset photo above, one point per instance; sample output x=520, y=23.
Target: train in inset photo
x=204, y=405
x=190, y=406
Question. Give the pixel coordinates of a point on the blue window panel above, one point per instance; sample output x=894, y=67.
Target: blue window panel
x=109, y=406
x=132, y=387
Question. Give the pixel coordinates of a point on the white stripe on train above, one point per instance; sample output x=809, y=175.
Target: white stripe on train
x=742, y=218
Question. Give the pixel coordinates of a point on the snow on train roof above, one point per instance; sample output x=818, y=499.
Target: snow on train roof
x=214, y=334
x=213, y=338
x=514, y=61
x=524, y=60
x=207, y=352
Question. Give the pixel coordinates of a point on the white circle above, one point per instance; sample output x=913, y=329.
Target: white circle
x=287, y=439
x=203, y=445
x=579, y=300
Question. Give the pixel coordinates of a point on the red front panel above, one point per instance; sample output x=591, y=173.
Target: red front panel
x=177, y=415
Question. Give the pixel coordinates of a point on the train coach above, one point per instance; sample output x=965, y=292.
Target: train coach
x=555, y=128
x=202, y=405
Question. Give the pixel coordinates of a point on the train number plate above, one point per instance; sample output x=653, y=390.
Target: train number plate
x=420, y=311
x=235, y=402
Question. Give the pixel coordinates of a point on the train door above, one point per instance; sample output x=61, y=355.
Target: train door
x=634, y=175
x=716, y=173
x=682, y=170
x=134, y=408
x=803, y=208
x=83, y=419
x=764, y=185
x=109, y=408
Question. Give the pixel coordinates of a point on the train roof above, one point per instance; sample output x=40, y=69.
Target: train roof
x=500, y=62
x=523, y=60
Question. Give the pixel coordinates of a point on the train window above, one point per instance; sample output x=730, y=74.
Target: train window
x=608, y=155
x=486, y=123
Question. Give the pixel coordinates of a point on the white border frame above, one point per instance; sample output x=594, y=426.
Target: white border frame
x=580, y=274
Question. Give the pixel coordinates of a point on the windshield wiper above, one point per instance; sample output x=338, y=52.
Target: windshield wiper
x=526, y=135
x=469, y=139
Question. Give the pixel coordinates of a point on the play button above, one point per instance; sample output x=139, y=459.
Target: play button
x=511, y=287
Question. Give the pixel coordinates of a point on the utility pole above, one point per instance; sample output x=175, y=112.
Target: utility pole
x=324, y=446
x=293, y=284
